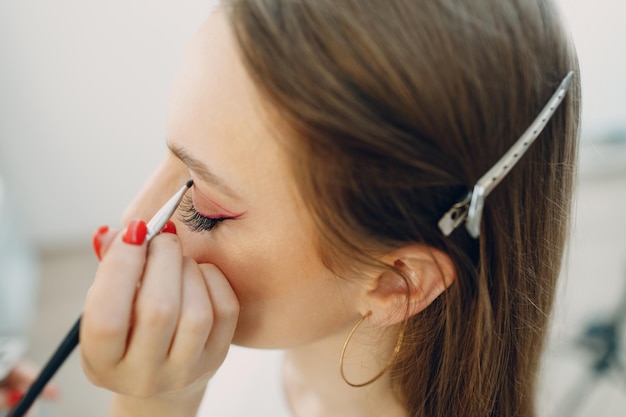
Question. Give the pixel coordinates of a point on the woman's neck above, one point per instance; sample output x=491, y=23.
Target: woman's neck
x=314, y=386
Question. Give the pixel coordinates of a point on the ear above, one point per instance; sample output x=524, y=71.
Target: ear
x=420, y=274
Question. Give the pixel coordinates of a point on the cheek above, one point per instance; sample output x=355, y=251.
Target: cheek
x=280, y=284
x=259, y=269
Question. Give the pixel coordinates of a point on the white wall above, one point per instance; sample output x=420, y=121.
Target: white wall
x=599, y=31
x=83, y=98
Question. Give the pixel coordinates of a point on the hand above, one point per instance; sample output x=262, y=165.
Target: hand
x=13, y=387
x=156, y=325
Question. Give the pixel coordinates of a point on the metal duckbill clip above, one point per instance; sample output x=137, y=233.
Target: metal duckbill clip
x=470, y=208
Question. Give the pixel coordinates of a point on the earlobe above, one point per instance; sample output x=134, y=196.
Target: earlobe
x=419, y=275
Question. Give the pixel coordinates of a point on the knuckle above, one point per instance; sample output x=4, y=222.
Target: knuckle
x=196, y=322
x=102, y=328
x=156, y=313
x=228, y=310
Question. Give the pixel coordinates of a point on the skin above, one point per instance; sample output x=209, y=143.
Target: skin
x=256, y=280
x=19, y=379
x=268, y=253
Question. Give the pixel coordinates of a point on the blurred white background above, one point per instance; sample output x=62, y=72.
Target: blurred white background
x=83, y=99
x=84, y=88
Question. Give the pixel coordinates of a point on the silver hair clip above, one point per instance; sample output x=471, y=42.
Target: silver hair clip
x=470, y=208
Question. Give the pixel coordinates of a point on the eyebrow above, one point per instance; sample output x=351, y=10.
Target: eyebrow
x=201, y=169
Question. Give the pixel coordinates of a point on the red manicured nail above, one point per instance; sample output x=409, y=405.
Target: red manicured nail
x=136, y=232
x=169, y=227
x=13, y=397
x=97, y=243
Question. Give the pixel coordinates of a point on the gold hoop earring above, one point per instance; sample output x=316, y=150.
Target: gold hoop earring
x=396, y=350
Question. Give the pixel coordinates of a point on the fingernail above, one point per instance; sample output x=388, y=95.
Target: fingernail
x=97, y=243
x=135, y=232
x=13, y=397
x=169, y=227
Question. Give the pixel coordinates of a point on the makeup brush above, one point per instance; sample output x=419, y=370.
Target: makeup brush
x=71, y=339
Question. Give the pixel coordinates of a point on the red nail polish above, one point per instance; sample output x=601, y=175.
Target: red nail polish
x=13, y=397
x=97, y=243
x=169, y=227
x=136, y=232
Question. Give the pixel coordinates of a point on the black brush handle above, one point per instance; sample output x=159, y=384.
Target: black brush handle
x=60, y=355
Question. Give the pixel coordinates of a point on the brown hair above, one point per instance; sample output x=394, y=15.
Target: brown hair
x=399, y=106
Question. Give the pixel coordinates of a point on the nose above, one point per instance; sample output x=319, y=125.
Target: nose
x=164, y=181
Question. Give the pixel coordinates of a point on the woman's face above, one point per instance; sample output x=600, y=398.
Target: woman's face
x=219, y=137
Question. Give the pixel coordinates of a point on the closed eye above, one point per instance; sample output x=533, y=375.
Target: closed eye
x=196, y=221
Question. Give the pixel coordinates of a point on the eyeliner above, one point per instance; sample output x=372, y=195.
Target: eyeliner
x=72, y=338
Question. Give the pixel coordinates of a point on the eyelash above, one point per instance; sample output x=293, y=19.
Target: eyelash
x=196, y=221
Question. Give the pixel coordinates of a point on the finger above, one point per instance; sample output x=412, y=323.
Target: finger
x=225, y=309
x=107, y=314
x=5, y=398
x=158, y=302
x=196, y=317
x=23, y=375
x=9, y=397
x=4, y=392
x=17, y=383
x=102, y=239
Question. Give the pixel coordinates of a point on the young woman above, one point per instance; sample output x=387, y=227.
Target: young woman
x=334, y=147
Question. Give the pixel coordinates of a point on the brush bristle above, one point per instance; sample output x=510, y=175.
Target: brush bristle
x=189, y=183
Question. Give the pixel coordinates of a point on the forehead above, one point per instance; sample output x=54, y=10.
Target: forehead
x=217, y=115
x=211, y=83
